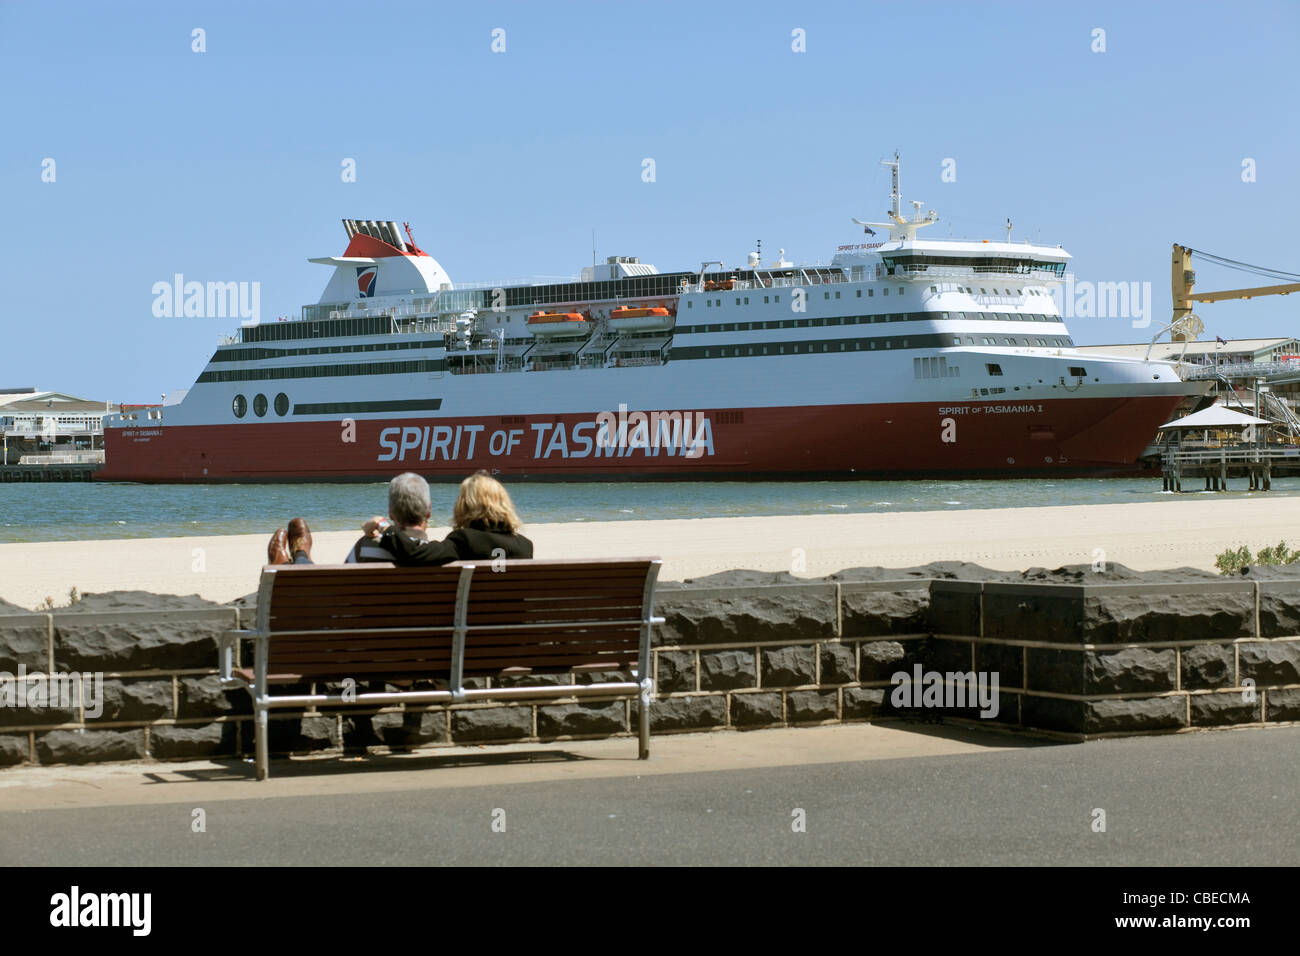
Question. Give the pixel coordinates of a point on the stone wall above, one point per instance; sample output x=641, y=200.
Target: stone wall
x=1077, y=655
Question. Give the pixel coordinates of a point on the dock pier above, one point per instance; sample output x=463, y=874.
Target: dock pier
x=1216, y=465
x=57, y=471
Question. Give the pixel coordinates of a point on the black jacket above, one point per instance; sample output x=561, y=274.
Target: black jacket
x=463, y=544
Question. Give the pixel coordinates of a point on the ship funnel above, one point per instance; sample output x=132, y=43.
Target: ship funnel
x=384, y=234
x=397, y=236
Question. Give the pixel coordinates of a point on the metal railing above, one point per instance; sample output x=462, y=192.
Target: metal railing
x=1214, y=456
x=1241, y=370
x=65, y=458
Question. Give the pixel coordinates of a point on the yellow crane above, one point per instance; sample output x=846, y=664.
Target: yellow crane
x=1183, y=281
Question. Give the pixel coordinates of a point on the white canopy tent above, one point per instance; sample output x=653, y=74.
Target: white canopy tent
x=1216, y=416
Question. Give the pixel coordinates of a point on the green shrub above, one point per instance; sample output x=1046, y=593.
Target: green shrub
x=1234, y=562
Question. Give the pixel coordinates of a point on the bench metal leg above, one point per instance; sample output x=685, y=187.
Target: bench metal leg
x=259, y=733
x=647, y=690
x=260, y=692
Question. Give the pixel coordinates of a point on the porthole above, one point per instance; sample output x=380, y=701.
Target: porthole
x=259, y=405
x=239, y=406
x=282, y=404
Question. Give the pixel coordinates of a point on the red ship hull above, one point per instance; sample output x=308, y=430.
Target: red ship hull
x=1070, y=437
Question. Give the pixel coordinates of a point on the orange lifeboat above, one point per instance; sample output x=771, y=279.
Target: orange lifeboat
x=640, y=319
x=558, y=324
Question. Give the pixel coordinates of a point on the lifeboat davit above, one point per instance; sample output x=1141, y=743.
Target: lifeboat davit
x=558, y=324
x=640, y=319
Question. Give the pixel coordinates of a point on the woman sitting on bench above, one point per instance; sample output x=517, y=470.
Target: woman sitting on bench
x=484, y=526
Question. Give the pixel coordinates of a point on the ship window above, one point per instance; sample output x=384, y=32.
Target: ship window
x=708, y=303
x=259, y=405
x=239, y=406
x=859, y=293
x=934, y=288
x=689, y=304
x=900, y=290
x=746, y=300
x=737, y=300
x=944, y=314
x=765, y=300
x=904, y=343
x=826, y=295
x=282, y=404
x=870, y=293
x=776, y=298
x=993, y=368
x=884, y=292
x=956, y=340
x=1079, y=371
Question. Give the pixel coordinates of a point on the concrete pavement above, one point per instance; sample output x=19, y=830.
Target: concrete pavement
x=845, y=795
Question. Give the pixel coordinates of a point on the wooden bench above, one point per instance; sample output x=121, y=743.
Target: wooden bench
x=323, y=624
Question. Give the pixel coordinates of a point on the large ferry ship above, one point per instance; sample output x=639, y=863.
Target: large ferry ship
x=903, y=357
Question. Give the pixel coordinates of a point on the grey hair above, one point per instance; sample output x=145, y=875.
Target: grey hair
x=408, y=499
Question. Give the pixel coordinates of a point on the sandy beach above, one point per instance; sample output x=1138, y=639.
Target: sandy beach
x=1187, y=531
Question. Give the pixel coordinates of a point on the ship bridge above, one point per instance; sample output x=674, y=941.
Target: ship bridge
x=966, y=258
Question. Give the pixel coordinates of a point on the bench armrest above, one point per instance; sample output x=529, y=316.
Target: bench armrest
x=228, y=651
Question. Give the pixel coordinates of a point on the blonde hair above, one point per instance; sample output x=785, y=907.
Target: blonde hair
x=484, y=502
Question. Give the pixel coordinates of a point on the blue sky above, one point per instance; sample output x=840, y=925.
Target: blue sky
x=225, y=165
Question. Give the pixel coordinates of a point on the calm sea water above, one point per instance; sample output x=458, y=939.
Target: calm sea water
x=85, y=511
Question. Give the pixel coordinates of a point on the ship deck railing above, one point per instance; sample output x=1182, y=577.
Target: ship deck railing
x=622, y=361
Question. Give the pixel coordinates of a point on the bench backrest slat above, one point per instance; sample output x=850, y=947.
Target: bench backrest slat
x=373, y=619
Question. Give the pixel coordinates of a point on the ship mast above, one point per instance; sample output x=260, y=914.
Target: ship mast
x=900, y=228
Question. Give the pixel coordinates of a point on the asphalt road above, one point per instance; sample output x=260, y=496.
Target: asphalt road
x=1227, y=798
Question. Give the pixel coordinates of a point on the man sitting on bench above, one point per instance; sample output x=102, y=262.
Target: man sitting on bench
x=409, y=507
x=484, y=525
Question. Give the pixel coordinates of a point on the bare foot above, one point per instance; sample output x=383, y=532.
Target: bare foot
x=277, y=549
x=299, y=538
